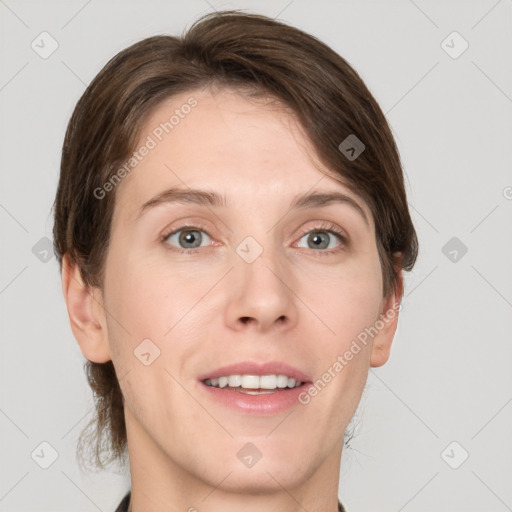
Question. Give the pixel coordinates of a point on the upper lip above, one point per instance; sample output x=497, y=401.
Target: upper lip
x=257, y=368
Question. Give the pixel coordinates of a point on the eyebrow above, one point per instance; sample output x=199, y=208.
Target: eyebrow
x=213, y=199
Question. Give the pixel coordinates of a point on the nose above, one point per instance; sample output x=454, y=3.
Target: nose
x=261, y=296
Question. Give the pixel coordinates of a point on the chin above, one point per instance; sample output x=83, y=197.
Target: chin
x=260, y=479
x=261, y=465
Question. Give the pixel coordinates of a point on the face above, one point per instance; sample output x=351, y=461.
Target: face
x=252, y=279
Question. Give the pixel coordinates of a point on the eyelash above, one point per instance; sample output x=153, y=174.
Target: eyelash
x=324, y=226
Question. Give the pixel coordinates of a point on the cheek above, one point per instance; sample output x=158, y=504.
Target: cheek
x=347, y=298
x=143, y=301
x=348, y=303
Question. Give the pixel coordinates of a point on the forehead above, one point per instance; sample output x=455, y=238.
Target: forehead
x=252, y=151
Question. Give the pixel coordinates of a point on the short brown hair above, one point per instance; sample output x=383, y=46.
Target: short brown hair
x=249, y=52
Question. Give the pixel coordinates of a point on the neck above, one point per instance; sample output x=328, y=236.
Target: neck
x=161, y=482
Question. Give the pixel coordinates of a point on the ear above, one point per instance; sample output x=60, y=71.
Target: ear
x=381, y=344
x=86, y=313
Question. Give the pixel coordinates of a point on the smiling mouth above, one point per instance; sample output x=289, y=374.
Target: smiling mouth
x=254, y=384
x=258, y=391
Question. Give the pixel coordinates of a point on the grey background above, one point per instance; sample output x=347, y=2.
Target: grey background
x=448, y=378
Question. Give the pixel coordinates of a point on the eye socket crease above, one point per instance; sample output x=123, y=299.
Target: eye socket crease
x=212, y=199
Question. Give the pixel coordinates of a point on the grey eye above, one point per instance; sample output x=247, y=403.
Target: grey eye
x=188, y=238
x=319, y=240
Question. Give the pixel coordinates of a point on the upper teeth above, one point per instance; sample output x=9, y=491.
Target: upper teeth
x=254, y=381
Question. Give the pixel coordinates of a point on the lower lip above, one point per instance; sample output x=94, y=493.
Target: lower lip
x=264, y=404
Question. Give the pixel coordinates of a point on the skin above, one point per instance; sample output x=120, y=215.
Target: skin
x=304, y=308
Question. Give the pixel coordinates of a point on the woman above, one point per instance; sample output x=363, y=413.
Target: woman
x=232, y=226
